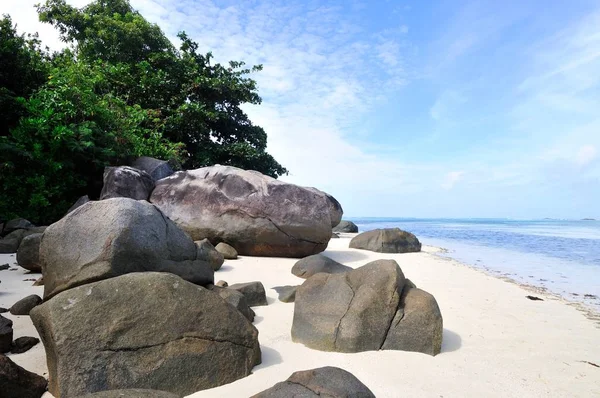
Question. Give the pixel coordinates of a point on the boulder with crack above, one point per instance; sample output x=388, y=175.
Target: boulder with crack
x=143, y=330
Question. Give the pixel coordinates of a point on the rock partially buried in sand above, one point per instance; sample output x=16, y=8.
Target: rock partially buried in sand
x=28, y=254
x=23, y=344
x=126, y=182
x=131, y=393
x=369, y=308
x=328, y=382
x=346, y=226
x=25, y=305
x=228, y=252
x=112, y=237
x=256, y=214
x=143, y=330
x=253, y=291
x=316, y=263
x=287, y=294
x=388, y=240
x=18, y=382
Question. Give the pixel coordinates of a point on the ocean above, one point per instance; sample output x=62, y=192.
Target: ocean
x=560, y=256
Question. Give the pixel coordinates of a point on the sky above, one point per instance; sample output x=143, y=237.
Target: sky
x=413, y=108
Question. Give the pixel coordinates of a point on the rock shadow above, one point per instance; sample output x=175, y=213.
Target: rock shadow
x=269, y=357
x=225, y=268
x=345, y=255
x=257, y=319
x=450, y=341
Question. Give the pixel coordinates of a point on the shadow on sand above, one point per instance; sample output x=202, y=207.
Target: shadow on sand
x=450, y=341
x=269, y=357
x=345, y=255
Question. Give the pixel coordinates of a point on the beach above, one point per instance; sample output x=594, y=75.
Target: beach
x=496, y=341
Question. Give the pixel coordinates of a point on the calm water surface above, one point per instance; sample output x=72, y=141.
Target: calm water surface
x=561, y=256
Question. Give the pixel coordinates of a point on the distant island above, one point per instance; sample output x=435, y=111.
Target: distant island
x=588, y=219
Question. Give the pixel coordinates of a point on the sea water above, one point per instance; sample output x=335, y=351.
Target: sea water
x=560, y=256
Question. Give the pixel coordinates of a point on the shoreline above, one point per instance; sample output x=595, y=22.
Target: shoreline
x=496, y=341
x=589, y=312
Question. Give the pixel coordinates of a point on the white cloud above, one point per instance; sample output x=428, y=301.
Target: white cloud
x=452, y=178
x=586, y=155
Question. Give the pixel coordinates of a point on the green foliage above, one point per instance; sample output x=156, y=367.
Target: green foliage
x=120, y=91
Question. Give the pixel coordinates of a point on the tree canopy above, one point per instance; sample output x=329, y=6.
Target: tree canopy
x=120, y=90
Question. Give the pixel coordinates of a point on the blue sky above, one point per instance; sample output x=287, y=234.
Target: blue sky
x=414, y=109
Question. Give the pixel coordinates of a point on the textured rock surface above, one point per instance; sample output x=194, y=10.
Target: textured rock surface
x=417, y=326
x=346, y=226
x=157, y=169
x=6, y=334
x=126, y=182
x=335, y=208
x=287, y=294
x=23, y=344
x=348, y=312
x=25, y=305
x=256, y=214
x=253, y=291
x=106, y=238
x=16, y=382
x=131, y=393
x=28, y=254
x=388, y=240
x=207, y=252
x=370, y=308
x=143, y=330
x=316, y=263
x=16, y=223
x=330, y=382
x=228, y=252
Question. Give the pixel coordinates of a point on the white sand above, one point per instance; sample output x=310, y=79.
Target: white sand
x=496, y=341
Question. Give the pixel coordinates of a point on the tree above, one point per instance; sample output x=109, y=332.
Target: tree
x=198, y=103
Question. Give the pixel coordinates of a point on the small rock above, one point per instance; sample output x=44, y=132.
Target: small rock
x=18, y=382
x=6, y=334
x=4, y=266
x=387, y=240
x=39, y=282
x=311, y=265
x=17, y=223
x=207, y=252
x=23, y=344
x=222, y=284
x=227, y=251
x=329, y=381
x=237, y=300
x=346, y=226
x=534, y=298
x=287, y=294
x=3, y=310
x=254, y=292
x=23, y=306
x=334, y=235
x=28, y=255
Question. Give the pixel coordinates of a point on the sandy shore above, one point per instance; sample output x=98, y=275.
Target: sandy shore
x=496, y=341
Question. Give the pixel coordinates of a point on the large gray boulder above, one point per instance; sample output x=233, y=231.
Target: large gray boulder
x=228, y=251
x=311, y=265
x=28, y=254
x=329, y=381
x=15, y=224
x=126, y=182
x=112, y=237
x=256, y=214
x=387, y=240
x=346, y=226
x=369, y=308
x=16, y=382
x=11, y=242
x=143, y=330
x=156, y=168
